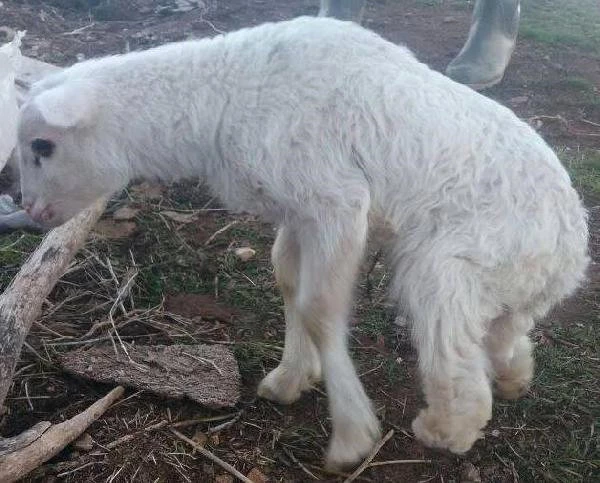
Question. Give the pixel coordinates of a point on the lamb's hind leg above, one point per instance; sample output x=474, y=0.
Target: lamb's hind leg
x=509, y=350
x=449, y=320
x=300, y=365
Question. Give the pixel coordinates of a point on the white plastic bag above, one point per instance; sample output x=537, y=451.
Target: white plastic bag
x=10, y=60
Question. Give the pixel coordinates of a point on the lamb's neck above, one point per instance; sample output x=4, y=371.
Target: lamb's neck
x=177, y=134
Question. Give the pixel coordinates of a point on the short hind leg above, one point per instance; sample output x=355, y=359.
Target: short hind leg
x=449, y=320
x=300, y=365
x=509, y=351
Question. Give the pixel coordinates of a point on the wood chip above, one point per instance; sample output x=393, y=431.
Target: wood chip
x=84, y=443
x=125, y=214
x=207, y=374
x=180, y=217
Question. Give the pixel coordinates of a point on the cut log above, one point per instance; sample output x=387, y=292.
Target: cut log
x=21, y=302
x=15, y=465
x=207, y=374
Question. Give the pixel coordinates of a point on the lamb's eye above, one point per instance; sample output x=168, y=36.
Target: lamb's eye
x=42, y=147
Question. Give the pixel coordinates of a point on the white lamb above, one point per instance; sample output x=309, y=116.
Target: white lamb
x=322, y=127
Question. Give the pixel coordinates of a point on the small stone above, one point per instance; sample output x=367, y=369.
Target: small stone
x=84, y=443
x=80, y=57
x=449, y=19
x=256, y=476
x=495, y=433
x=244, y=253
x=469, y=473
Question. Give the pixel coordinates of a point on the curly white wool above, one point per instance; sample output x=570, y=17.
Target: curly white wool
x=325, y=129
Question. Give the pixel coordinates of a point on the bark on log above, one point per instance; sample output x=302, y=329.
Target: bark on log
x=21, y=302
x=16, y=465
x=207, y=374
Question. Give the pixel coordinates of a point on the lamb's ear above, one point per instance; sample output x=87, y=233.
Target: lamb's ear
x=66, y=106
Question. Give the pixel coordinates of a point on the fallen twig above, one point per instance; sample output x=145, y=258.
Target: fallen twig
x=398, y=462
x=297, y=461
x=129, y=437
x=17, y=464
x=365, y=464
x=225, y=425
x=204, y=452
x=218, y=232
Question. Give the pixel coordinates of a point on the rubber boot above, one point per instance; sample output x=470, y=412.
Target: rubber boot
x=483, y=59
x=343, y=9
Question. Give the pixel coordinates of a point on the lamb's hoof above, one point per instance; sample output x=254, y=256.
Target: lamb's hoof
x=351, y=445
x=511, y=389
x=456, y=434
x=283, y=385
x=514, y=381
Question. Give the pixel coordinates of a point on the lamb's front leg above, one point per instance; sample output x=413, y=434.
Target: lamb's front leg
x=330, y=258
x=300, y=365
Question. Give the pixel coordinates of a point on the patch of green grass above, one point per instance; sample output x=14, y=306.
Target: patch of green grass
x=570, y=22
x=15, y=248
x=375, y=321
x=584, y=168
x=253, y=356
x=553, y=434
x=430, y=3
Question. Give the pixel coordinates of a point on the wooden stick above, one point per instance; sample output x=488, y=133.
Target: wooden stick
x=212, y=457
x=9, y=445
x=15, y=465
x=399, y=462
x=369, y=458
x=21, y=302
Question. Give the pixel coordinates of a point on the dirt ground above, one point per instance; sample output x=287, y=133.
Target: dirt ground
x=552, y=434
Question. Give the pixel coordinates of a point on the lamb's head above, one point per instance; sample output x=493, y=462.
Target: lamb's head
x=66, y=153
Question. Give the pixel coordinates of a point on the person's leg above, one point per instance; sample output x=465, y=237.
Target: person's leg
x=484, y=57
x=343, y=9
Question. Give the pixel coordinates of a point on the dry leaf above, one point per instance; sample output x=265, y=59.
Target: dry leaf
x=179, y=217
x=245, y=253
x=125, y=213
x=256, y=476
x=111, y=230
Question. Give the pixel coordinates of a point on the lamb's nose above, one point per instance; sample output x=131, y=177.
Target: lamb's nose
x=40, y=214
